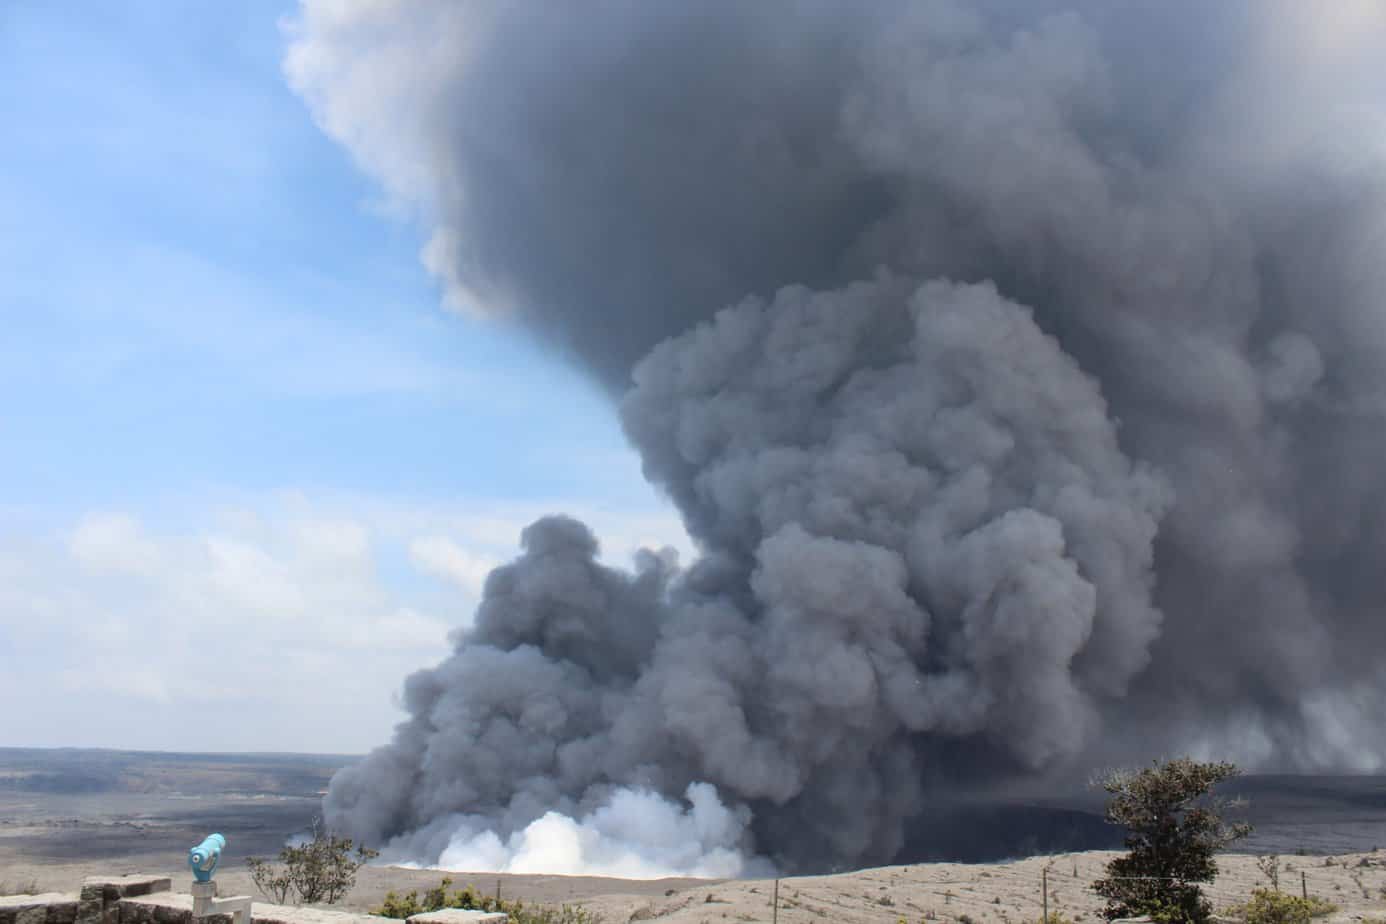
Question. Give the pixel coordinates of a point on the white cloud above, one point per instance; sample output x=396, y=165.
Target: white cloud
x=370, y=77
x=492, y=528
x=403, y=629
x=248, y=579
x=441, y=557
x=113, y=542
x=282, y=621
x=288, y=619
x=136, y=685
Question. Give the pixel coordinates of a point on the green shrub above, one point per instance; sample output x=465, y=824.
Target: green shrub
x=322, y=869
x=1271, y=907
x=397, y=906
x=435, y=899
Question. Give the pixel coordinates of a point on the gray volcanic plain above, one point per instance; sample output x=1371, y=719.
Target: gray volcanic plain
x=68, y=813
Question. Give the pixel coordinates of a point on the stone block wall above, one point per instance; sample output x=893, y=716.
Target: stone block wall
x=151, y=900
x=99, y=902
x=47, y=908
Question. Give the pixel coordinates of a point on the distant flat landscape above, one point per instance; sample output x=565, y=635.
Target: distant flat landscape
x=68, y=813
x=127, y=807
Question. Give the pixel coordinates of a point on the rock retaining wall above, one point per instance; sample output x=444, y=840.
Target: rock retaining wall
x=101, y=897
x=151, y=900
x=47, y=908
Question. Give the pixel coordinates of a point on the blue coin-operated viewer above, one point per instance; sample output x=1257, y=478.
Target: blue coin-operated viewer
x=203, y=858
x=203, y=861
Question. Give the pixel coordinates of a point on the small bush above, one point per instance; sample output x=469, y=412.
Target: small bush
x=1269, y=907
x=435, y=899
x=322, y=869
x=397, y=906
x=1055, y=917
x=1269, y=865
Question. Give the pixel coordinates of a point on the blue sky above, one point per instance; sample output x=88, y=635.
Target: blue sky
x=222, y=367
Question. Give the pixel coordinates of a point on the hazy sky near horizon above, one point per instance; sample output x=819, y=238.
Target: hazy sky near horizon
x=253, y=472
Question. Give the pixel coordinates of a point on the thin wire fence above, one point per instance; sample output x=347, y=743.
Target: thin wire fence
x=970, y=900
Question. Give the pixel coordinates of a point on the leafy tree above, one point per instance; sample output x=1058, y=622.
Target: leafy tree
x=322, y=869
x=1173, y=829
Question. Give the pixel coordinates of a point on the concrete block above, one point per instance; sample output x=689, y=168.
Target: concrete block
x=63, y=912
x=459, y=916
x=114, y=888
x=287, y=914
x=163, y=914
x=29, y=909
x=142, y=908
x=89, y=909
x=32, y=909
x=99, y=888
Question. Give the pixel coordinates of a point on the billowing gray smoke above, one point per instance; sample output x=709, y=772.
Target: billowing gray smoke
x=1019, y=369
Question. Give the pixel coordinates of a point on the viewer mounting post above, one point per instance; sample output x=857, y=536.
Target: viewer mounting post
x=203, y=860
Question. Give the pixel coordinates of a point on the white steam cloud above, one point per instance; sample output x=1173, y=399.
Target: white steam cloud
x=637, y=834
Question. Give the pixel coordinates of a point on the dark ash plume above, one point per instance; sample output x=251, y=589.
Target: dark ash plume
x=1043, y=426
